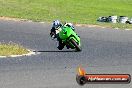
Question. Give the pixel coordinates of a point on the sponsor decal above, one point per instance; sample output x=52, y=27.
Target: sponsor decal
x=83, y=78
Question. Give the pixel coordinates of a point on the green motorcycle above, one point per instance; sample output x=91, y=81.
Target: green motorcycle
x=70, y=38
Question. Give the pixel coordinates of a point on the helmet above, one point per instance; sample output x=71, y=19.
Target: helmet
x=56, y=24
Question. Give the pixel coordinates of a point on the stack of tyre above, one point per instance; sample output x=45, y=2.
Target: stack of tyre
x=124, y=19
x=114, y=19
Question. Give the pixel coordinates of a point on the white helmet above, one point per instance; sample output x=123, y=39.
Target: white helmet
x=56, y=24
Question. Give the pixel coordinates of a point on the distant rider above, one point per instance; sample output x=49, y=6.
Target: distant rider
x=56, y=26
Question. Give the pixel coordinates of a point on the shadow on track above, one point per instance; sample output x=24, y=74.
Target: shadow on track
x=42, y=51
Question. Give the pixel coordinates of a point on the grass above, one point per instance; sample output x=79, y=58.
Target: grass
x=12, y=49
x=76, y=11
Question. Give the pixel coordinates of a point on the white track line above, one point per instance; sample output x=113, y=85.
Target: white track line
x=28, y=54
x=128, y=29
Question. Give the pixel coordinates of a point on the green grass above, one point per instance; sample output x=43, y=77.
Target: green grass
x=76, y=11
x=12, y=49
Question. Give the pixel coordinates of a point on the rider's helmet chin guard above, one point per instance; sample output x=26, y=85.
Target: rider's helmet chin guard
x=57, y=27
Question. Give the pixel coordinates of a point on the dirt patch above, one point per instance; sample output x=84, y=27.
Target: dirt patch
x=13, y=19
x=88, y=25
x=18, y=19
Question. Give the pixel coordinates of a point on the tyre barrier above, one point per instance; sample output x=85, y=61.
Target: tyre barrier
x=115, y=19
x=112, y=19
x=123, y=19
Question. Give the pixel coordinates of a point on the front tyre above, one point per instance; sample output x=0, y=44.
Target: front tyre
x=76, y=45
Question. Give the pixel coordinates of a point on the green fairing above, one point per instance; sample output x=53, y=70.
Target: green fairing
x=66, y=34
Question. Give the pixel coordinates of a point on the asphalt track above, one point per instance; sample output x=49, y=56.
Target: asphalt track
x=104, y=51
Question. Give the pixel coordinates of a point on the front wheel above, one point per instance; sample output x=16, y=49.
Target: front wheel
x=76, y=45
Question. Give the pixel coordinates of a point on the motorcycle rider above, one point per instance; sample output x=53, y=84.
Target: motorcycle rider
x=56, y=25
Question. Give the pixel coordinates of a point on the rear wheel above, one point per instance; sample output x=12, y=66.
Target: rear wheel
x=76, y=45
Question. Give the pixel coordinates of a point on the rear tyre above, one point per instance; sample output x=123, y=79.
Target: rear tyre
x=76, y=45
